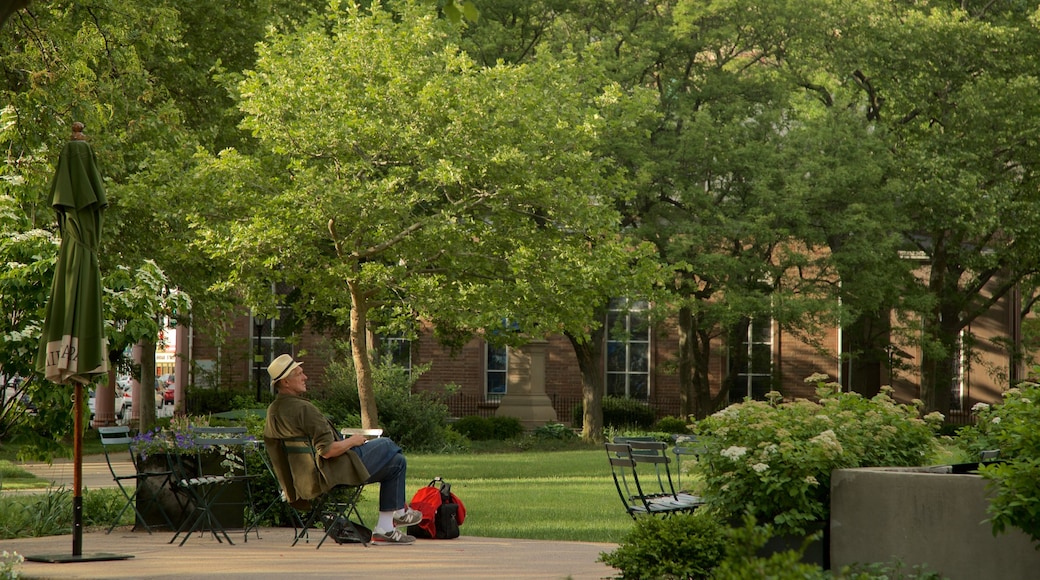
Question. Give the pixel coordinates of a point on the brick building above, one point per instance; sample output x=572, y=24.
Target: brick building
x=641, y=367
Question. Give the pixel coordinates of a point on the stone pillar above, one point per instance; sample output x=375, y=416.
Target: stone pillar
x=525, y=396
x=104, y=401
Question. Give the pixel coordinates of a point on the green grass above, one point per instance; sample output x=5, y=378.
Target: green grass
x=556, y=495
x=14, y=477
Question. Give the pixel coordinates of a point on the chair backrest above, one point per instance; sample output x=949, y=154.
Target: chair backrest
x=655, y=454
x=113, y=438
x=281, y=454
x=636, y=439
x=623, y=470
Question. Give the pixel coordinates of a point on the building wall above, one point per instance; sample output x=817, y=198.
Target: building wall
x=793, y=359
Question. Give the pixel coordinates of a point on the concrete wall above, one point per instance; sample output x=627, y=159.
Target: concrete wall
x=930, y=518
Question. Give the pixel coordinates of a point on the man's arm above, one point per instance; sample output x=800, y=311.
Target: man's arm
x=338, y=448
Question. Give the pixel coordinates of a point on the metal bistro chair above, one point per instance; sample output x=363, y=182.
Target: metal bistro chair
x=630, y=489
x=207, y=489
x=654, y=454
x=237, y=446
x=116, y=441
x=333, y=508
x=294, y=515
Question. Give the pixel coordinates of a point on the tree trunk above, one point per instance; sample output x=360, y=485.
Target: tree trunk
x=590, y=358
x=362, y=362
x=939, y=360
x=687, y=390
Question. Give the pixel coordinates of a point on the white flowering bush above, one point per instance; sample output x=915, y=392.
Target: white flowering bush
x=9, y=562
x=773, y=459
x=1013, y=428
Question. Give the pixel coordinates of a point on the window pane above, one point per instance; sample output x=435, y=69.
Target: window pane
x=638, y=387
x=639, y=327
x=760, y=385
x=616, y=384
x=761, y=331
x=761, y=358
x=497, y=358
x=639, y=358
x=496, y=384
x=615, y=356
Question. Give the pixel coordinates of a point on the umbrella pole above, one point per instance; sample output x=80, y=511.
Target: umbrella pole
x=77, y=497
x=77, y=470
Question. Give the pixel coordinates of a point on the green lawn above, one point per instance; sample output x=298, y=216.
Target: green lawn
x=555, y=495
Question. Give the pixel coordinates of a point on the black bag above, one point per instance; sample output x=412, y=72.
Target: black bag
x=344, y=532
x=442, y=511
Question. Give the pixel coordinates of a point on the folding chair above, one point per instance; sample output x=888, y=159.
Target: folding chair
x=685, y=446
x=630, y=489
x=205, y=490
x=655, y=455
x=335, y=506
x=116, y=440
x=295, y=518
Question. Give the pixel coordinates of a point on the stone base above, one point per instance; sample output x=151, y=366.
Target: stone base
x=532, y=410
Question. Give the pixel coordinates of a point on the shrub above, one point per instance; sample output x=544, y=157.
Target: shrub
x=1010, y=427
x=474, y=428
x=672, y=425
x=620, y=413
x=681, y=546
x=416, y=421
x=554, y=432
x=477, y=428
x=774, y=460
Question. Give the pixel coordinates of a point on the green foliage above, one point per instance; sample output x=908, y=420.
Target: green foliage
x=774, y=460
x=36, y=515
x=555, y=431
x=1011, y=428
x=681, y=546
x=621, y=413
x=744, y=560
x=416, y=421
x=476, y=428
x=209, y=401
x=100, y=507
x=673, y=425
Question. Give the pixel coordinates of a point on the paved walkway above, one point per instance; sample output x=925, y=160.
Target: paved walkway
x=270, y=555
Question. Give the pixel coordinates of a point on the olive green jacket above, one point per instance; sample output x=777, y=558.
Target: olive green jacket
x=289, y=416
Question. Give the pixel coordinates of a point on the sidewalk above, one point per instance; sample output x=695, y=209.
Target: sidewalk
x=270, y=556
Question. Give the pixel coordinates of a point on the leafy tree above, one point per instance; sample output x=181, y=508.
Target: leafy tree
x=953, y=86
x=419, y=184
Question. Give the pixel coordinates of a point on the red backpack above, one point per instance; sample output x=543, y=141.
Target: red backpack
x=442, y=511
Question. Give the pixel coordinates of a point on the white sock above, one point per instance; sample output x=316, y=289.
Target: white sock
x=386, y=522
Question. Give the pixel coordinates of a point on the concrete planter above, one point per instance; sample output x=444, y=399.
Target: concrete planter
x=926, y=516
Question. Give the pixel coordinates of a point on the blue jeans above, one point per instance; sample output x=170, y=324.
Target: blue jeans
x=387, y=466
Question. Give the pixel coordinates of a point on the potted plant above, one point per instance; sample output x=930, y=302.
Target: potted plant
x=773, y=459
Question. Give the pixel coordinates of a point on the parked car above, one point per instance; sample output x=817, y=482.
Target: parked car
x=123, y=403
x=164, y=387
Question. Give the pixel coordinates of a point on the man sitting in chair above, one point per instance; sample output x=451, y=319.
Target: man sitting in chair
x=351, y=461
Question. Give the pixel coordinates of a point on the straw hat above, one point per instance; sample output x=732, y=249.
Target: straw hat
x=281, y=367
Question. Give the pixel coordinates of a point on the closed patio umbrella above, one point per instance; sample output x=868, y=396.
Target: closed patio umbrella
x=72, y=347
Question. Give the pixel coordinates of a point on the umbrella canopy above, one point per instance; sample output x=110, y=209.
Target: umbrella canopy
x=73, y=347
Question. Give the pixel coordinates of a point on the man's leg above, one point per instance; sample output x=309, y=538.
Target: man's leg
x=388, y=467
